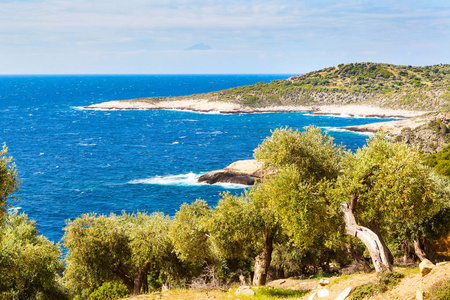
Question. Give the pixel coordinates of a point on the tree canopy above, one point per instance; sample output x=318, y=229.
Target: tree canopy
x=116, y=247
x=8, y=181
x=29, y=262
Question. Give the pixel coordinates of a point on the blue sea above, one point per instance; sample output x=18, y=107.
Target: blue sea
x=73, y=161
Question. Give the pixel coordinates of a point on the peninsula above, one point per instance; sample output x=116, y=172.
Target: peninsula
x=366, y=89
x=421, y=95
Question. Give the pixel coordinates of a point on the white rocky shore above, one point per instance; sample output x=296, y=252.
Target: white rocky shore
x=206, y=106
x=391, y=127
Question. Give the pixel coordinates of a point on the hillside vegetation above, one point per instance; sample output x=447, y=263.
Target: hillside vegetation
x=384, y=85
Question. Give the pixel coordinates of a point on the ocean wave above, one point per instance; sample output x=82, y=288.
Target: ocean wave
x=189, y=179
x=14, y=208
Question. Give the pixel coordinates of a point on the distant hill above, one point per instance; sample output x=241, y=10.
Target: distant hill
x=382, y=85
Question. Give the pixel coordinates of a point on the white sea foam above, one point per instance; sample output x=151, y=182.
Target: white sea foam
x=330, y=128
x=189, y=179
x=14, y=208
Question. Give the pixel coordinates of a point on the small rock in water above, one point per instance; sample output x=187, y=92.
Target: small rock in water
x=323, y=293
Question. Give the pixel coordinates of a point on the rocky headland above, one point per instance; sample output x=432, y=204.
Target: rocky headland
x=246, y=172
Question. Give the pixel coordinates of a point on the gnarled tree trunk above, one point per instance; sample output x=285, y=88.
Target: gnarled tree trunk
x=368, y=237
x=262, y=261
x=376, y=229
x=418, y=250
x=135, y=284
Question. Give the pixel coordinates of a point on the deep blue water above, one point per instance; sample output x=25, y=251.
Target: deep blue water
x=73, y=161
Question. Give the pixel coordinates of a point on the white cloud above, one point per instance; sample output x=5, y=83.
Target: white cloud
x=324, y=31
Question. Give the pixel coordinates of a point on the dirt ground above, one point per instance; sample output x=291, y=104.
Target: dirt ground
x=406, y=289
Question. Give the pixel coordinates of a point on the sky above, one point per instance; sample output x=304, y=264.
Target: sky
x=218, y=37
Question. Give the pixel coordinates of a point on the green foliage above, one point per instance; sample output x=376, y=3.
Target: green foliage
x=445, y=96
x=311, y=152
x=231, y=227
x=413, y=99
x=440, y=291
x=109, y=291
x=29, y=263
x=8, y=181
x=391, y=183
x=250, y=99
x=307, y=163
x=440, y=161
x=188, y=234
x=275, y=293
x=115, y=248
x=385, y=282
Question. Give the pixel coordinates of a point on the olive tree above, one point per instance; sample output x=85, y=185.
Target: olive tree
x=8, y=181
x=188, y=234
x=244, y=227
x=381, y=184
x=305, y=163
x=29, y=262
x=250, y=224
x=385, y=184
x=119, y=247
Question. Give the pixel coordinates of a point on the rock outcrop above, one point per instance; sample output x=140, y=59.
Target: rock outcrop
x=246, y=172
x=429, y=132
x=426, y=266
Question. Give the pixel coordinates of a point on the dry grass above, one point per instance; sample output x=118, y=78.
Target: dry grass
x=405, y=290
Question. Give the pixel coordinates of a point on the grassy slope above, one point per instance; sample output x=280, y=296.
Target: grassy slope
x=384, y=85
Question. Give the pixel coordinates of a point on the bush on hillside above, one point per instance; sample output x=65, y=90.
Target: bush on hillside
x=440, y=291
x=109, y=291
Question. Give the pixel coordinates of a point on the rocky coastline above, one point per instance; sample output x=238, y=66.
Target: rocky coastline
x=205, y=106
x=246, y=172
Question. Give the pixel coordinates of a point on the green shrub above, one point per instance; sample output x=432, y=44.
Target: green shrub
x=445, y=96
x=384, y=283
x=109, y=290
x=250, y=99
x=440, y=161
x=264, y=292
x=440, y=291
